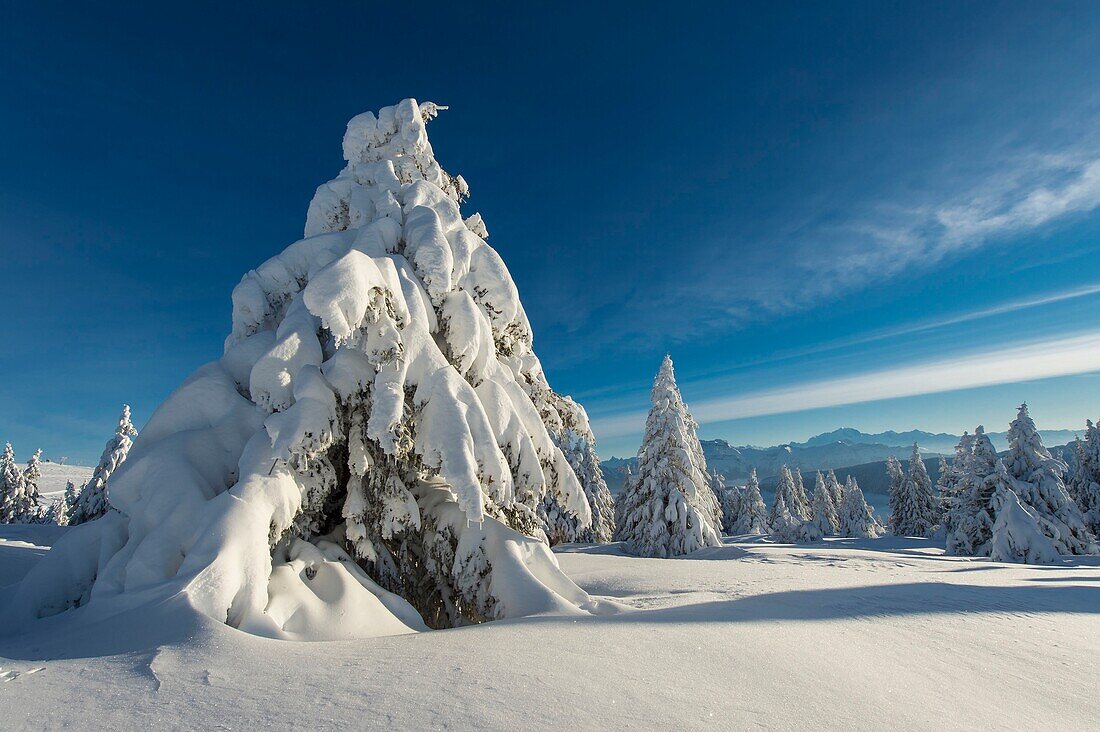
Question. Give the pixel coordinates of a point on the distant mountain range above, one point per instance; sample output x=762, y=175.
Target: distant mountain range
x=842, y=448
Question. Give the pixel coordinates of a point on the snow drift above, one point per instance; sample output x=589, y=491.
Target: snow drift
x=371, y=451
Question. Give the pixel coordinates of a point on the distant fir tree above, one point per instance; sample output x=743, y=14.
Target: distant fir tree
x=669, y=507
x=786, y=489
x=730, y=500
x=1038, y=481
x=825, y=516
x=895, y=493
x=752, y=517
x=785, y=525
x=36, y=512
x=855, y=516
x=944, y=489
x=798, y=501
x=94, y=501
x=913, y=507
x=835, y=488
x=12, y=488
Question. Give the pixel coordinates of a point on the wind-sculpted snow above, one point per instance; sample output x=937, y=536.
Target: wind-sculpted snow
x=378, y=436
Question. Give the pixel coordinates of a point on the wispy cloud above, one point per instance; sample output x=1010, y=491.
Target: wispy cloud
x=1037, y=359
x=1026, y=193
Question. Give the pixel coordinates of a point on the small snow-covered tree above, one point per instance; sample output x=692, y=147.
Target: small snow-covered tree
x=670, y=508
x=1018, y=534
x=752, y=515
x=1038, y=481
x=785, y=525
x=32, y=474
x=576, y=441
x=94, y=500
x=835, y=488
x=913, y=506
x=19, y=500
x=969, y=519
x=786, y=489
x=730, y=500
x=855, y=516
x=825, y=514
x=944, y=489
x=895, y=493
x=12, y=493
x=799, y=501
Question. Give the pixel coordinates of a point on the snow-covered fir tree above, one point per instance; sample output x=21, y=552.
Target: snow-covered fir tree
x=670, y=508
x=855, y=516
x=576, y=441
x=799, y=501
x=59, y=508
x=897, y=484
x=785, y=525
x=379, y=417
x=824, y=510
x=836, y=490
x=1038, y=481
x=1018, y=534
x=784, y=489
x=1085, y=486
x=32, y=474
x=913, y=507
x=94, y=500
x=730, y=499
x=944, y=489
x=13, y=495
x=969, y=518
x=752, y=517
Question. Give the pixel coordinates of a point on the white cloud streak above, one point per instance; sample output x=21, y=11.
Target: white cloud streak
x=1038, y=359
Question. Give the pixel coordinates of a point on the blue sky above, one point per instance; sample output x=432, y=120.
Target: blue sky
x=830, y=214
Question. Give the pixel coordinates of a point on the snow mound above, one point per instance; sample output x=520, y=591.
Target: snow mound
x=369, y=454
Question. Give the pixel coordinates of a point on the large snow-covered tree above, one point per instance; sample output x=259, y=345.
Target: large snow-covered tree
x=379, y=424
x=856, y=518
x=669, y=507
x=94, y=501
x=912, y=506
x=1038, y=481
x=752, y=516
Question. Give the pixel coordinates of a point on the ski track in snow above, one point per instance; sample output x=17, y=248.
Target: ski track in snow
x=852, y=634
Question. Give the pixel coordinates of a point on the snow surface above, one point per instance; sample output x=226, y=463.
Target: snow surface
x=852, y=634
x=55, y=476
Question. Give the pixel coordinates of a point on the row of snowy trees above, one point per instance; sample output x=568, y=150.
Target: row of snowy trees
x=1015, y=508
x=1018, y=507
x=672, y=506
x=20, y=501
x=834, y=509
